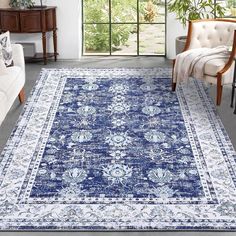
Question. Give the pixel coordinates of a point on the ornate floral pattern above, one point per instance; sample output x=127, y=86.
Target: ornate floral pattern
x=75, y=175
x=118, y=139
x=151, y=110
x=117, y=173
x=114, y=149
x=155, y=136
x=160, y=176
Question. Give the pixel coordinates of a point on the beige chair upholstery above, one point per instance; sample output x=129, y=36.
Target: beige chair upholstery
x=12, y=82
x=210, y=34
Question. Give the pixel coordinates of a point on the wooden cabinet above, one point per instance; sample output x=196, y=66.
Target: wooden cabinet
x=10, y=21
x=29, y=22
x=33, y=20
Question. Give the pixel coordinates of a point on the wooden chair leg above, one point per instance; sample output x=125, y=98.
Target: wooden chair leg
x=219, y=92
x=22, y=95
x=173, y=86
x=173, y=83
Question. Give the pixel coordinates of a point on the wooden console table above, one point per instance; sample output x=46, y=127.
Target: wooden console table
x=32, y=20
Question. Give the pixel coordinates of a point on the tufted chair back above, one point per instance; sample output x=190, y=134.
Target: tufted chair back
x=211, y=33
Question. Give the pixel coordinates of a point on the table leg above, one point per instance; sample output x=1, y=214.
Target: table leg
x=55, y=44
x=44, y=41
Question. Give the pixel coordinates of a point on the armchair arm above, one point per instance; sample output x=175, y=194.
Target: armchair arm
x=231, y=58
x=18, y=56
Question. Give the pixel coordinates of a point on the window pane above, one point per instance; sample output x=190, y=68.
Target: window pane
x=152, y=11
x=96, y=39
x=230, y=6
x=96, y=11
x=124, y=39
x=123, y=11
x=152, y=39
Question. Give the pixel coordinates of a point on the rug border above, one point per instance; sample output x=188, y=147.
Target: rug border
x=217, y=117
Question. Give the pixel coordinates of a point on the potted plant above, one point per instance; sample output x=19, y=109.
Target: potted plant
x=187, y=10
x=232, y=7
x=21, y=3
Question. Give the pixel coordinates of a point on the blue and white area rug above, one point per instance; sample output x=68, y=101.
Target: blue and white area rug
x=115, y=149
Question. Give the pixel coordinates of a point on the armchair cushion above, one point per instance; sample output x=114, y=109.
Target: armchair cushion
x=212, y=67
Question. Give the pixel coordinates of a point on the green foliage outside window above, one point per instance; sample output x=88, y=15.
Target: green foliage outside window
x=97, y=11
x=97, y=35
x=231, y=3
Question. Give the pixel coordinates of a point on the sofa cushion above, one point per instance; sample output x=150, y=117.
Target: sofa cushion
x=3, y=69
x=7, y=81
x=3, y=102
x=214, y=66
x=6, y=49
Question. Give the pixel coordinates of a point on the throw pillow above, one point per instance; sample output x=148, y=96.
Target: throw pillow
x=3, y=68
x=6, y=49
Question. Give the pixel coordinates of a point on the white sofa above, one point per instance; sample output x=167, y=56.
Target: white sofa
x=12, y=83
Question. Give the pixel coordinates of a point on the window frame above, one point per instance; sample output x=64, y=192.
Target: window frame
x=110, y=23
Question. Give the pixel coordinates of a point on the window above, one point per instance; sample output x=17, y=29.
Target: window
x=124, y=27
x=230, y=6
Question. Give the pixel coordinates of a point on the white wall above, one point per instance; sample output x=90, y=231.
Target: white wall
x=4, y=3
x=69, y=31
x=174, y=29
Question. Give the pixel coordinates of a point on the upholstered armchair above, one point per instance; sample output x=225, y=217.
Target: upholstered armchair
x=210, y=34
